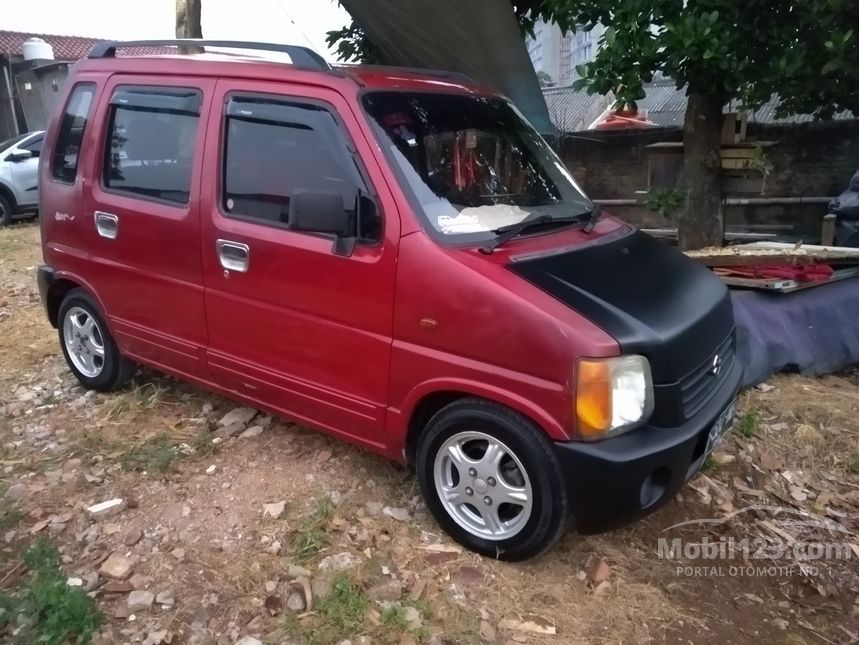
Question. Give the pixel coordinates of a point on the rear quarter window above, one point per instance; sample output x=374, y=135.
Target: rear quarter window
x=64, y=162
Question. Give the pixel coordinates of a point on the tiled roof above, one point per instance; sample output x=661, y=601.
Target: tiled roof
x=67, y=47
x=664, y=105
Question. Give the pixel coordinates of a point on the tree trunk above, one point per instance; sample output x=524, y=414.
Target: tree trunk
x=188, y=19
x=701, y=222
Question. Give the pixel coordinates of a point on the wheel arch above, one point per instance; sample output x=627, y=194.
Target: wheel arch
x=7, y=193
x=427, y=400
x=63, y=283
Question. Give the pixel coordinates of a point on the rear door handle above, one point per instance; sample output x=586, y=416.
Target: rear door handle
x=233, y=256
x=107, y=224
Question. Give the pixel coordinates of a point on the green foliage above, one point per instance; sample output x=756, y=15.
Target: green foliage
x=806, y=51
x=747, y=425
x=342, y=612
x=155, y=455
x=51, y=611
x=710, y=465
x=311, y=537
x=666, y=201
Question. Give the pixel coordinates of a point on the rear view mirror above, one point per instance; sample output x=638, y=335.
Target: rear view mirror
x=19, y=155
x=319, y=212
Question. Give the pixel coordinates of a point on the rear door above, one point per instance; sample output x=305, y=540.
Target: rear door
x=143, y=218
x=291, y=324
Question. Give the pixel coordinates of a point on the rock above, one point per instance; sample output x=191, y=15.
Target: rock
x=321, y=587
x=132, y=537
x=296, y=602
x=157, y=637
x=469, y=576
x=165, y=598
x=274, y=548
x=488, y=632
x=237, y=415
x=399, y=514
x=456, y=594
x=9, y=536
x=274, y=509
x=374, y=509
x=270, y=586
x=603, y=587
x=249, y=640
x=117, y=586
x=388, y=590
x=116, y=566
x=412, y=617
x=206, y=409
x=106, y=509
x=75, y=582
x=91, y=580
x=253, y=431
x=336, y=497
x=295, y=571
x=178, y=553
x=138, y=600
x=139, y=581
x=597, y=570
x=210, y=470
x=339, y=562
x=528, y=624
x=581, y=575
x=781, y=623
x=16, y=492
x=231, y=430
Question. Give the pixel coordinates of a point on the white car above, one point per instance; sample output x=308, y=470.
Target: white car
x=19, y=175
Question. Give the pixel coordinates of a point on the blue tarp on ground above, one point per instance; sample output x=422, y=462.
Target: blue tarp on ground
x=813, y=331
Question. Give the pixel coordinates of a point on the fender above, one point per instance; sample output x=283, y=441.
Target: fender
x=85, y=285
x=397, y=420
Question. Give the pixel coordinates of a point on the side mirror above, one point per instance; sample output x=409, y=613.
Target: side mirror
x=323, y=213
x=19, y=155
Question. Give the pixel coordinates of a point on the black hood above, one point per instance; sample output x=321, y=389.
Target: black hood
x=651, y=298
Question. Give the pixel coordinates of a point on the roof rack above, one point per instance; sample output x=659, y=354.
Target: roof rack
x=300, y=56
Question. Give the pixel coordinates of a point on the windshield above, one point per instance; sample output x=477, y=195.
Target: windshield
x=11, y=142
x=473, y=163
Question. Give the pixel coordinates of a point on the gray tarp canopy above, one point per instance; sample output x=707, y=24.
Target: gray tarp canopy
x=479, y=38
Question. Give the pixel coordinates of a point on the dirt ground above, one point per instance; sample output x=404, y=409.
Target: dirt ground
x=353, y=554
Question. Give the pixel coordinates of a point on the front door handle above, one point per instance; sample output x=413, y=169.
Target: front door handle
x=107, y=224
x=233, y=256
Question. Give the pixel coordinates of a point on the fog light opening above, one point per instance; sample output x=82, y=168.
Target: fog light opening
x=654, y=487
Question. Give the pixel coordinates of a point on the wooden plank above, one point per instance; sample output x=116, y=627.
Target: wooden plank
x=766, y=260
x=767, y=284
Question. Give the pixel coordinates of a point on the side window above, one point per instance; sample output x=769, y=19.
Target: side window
x=150, y=146
x=34, y=146
x=276, y=147
x=64, y=163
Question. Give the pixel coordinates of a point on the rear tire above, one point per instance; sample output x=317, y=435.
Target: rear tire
x=5, y=211
x=89, y=349
x=490, y=478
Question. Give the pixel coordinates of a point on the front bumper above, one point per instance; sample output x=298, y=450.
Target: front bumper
x=614, y=482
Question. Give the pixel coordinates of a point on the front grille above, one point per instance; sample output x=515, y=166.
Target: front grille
x=701, y=383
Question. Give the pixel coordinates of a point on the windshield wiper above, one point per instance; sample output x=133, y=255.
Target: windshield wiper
x=510, y=231
x=593, y=218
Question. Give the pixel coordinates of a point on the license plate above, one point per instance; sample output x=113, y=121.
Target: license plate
x=722, y=425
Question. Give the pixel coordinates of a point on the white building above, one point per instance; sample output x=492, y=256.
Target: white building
x=558, y=54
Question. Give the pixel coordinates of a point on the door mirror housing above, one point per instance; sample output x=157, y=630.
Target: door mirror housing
x=323, y=212
x=19, y=155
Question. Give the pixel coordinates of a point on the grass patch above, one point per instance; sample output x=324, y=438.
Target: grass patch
x=156, y=455
x=311, y=537
x=44, y=608
x=341, y=612
x=126, y=405
x=748, y=425
x=710, y=465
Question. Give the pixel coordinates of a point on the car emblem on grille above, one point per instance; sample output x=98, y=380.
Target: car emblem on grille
x=717, y=365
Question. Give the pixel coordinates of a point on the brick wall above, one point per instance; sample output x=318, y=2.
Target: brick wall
x=809, y=159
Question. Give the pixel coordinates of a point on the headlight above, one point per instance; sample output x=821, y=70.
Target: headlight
x=613, y=395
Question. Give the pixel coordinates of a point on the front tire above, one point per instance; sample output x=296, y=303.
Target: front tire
x=5, y=211
x=89, y=349
x=491, y=480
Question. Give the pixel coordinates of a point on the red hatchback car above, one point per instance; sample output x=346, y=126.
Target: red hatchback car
x=394, y=257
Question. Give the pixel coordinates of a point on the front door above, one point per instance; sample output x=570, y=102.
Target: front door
x=25, y=173
x=293, y=325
